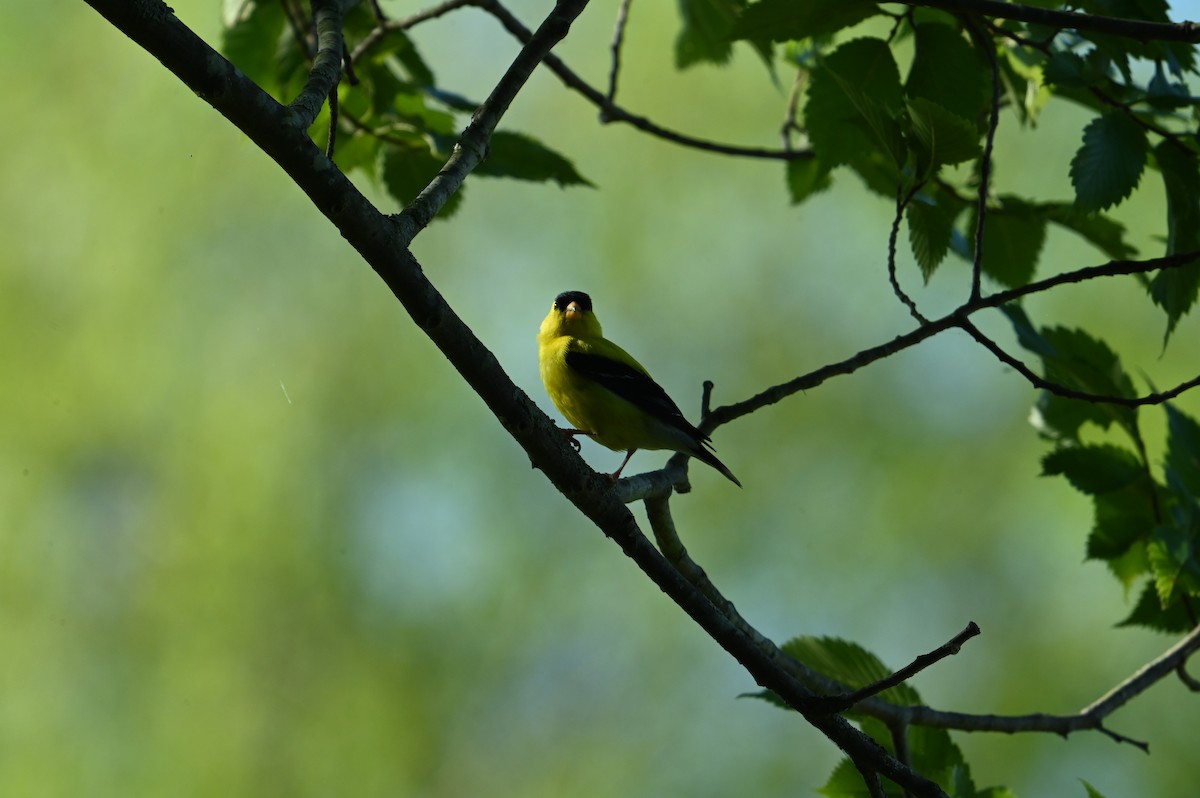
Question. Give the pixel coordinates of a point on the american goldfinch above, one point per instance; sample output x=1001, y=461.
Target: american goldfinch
x=607, y=394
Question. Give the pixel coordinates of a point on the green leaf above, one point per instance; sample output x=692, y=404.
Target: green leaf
x=783, y=20
x=1076, y=360
x=1103, y=232
x=805, y=177
x=930, y=225
x=853, y=98
x=397, y=43
x=705, y=35
x=1149, y=613
x=1094, y=469
x=1012, y=241
x=1173, y=563
x=845, y=782
x=523, y=157
x=848, y=663
x=1183, y=449
x=940, y=137
x=1131, y=566
x=358, y=151
x=1175, y=290
x=948, y=71
x=1122, y=518
x=250, y=39
x=1092, y=792
x=406, y=170
x=1067, y=69
x=1107, y=167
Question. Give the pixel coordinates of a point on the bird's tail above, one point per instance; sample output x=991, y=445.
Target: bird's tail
x=706, y=456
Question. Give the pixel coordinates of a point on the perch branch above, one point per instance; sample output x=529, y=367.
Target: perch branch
x=1112, y=26
x=151, y=25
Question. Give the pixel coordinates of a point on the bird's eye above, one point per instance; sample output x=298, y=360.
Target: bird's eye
x=578, y=297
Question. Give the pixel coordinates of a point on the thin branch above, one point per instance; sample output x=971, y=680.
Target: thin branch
x=790, y=125
x=327, y=65
x=617, y=42
x=386, y=26
x=1112, y=26
x=472, y=146
x=841, y=703
x=614, y=113
x=984, y=43
x=331, y=144
x=1090, y=717
x=956, y=318
x=902, y=202
x=1189, y=681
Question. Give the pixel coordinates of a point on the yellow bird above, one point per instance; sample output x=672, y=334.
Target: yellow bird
x=607, y=394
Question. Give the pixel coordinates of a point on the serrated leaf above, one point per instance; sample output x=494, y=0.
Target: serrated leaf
x=837, y=127
x=848, y=663
x=1183, y=448
x=705, y=33
x=1173, y=563
x=250, y=39
x=1094, y=469
x=805, y=177
x=1012, y=241
x=358, y=151
x=1076, y=360
x=1107, y=167
x=1131, y=566
x=1103, y=232
x=1175, y=290
x=948, y=71
x=397, y=44
x=940, y=137
x=783, y=20
x=1070, y=70
x=1122, y=518
x=405, y=171
x=1148, y=612
x=844, y=782
x=930, y=227
x=523, y=157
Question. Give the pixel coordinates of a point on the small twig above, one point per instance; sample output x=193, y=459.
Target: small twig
x=331, y=145
x=902, y=202
x=841, y=703
x=472, y=146
x=386, y=26
x=617, y=42
x=790, y=125
x=1189, y=681
x=870, y=778
x=1113, y=26
x=614, y=113
x=983, y=42
x=327, y=65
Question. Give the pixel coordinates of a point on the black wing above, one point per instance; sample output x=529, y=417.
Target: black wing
x=634, y=387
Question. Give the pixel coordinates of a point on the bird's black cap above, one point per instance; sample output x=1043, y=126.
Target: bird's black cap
x=567, y=297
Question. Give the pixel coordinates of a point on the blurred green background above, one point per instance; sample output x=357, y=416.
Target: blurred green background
x=257, y=538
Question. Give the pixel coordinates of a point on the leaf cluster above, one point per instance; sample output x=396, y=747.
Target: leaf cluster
x=394, y=123
x=915, y=127
x=1146, y=519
